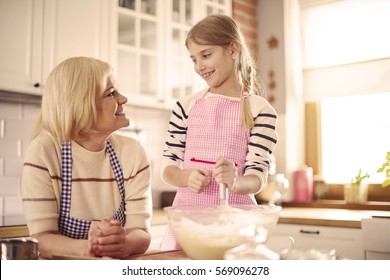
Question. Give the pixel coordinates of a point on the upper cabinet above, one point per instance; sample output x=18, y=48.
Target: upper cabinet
x=142, y=39
x=152, y=64
x=39, y=34
x=138, y=42
x=21, y=24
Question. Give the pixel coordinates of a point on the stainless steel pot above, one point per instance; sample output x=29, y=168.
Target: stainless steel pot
x=19, y=249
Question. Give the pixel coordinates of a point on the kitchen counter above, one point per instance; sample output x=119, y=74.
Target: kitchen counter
x=347, y=218
x=161, y=255
x=327, y=217
x=307, y=216
x=149, y=255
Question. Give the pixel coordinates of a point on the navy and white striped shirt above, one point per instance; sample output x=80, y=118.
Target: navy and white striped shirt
x=263, y=135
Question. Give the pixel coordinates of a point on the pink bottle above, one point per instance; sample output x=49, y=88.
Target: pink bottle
x=303, y=184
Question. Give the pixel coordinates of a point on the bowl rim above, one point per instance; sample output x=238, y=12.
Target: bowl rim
x=268, y=208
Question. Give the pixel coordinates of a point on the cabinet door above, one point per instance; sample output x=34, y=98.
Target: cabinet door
x=138, y=44
x=153, y=65
x=181, y=78
x=217, y=7
x=39, y=34
x=75, y=28
x=21, y=45
x=346, y=241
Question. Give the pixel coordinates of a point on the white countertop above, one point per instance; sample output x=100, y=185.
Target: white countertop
x=308, y=216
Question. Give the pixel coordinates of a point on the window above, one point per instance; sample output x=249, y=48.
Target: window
x=345, y=32
x=346, y=69
x=355, y=134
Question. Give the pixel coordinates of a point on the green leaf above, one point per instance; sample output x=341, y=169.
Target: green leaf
x=381, y=169
x=386, y=183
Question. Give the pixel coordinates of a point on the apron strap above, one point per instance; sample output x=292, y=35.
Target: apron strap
x=78, y=228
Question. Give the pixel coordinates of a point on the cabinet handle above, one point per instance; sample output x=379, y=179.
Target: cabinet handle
x=309, y=231
x=37, y=85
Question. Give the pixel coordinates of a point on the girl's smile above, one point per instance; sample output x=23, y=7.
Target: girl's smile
x=207, y=75
x=215, y=65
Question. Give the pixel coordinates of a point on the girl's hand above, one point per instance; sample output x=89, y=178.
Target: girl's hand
x=108, y=239
x=225, y=172
x=198, y=180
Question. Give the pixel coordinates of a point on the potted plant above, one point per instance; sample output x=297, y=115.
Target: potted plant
x=385, y=168
x=356, y=191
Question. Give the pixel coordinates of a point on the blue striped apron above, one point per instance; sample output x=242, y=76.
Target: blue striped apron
x=74, y=227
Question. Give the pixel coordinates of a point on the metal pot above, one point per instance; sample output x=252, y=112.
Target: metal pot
x=19, y=249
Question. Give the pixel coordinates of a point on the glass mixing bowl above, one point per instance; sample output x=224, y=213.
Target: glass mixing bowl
x=206, y=232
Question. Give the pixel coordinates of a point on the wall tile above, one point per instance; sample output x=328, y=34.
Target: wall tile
x=10, y=186
x=9, y=148
x=1, y=208
x=12, y=205
x=10, y=111
x=13, y=167
x=18, y=129
x=30, y=112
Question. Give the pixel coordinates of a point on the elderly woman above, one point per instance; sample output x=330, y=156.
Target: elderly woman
x=86, y=191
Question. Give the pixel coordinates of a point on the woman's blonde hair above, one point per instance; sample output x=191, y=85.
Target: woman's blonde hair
x=223, y=31
x=69, y=99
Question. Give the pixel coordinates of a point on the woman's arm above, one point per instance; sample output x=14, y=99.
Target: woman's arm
x=52, y=244
x=104, y=240
x=112, y=240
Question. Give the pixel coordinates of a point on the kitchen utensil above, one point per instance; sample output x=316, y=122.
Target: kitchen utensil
x=19, y=249
x=223, y=195
x=258, y=245
x=202, y=236
x=303, y=184
x=224, y=217
x=308, y=254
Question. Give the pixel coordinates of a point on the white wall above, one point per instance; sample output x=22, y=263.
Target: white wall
x=289, y=151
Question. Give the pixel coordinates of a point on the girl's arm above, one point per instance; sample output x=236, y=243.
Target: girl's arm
x=262, y=141
x=196, y=179
x=225, y=172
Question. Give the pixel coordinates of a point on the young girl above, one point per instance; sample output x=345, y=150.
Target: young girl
x=224, y=134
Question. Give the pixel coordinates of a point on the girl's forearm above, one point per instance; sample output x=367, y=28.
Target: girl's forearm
x=174, y=176
x=248, y=184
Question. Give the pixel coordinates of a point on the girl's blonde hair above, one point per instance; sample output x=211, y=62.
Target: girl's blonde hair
x=69, y=100
x=223, y=31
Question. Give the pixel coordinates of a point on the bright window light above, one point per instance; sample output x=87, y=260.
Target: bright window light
x=343, y=32
x=355, y=134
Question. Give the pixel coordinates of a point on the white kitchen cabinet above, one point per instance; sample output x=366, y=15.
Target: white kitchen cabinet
x=346, y=241
x=39, y=34
x=21, y=24
x=376, y=237
x=152, y=64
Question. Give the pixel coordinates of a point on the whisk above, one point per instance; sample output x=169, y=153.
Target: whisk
x=223, y=195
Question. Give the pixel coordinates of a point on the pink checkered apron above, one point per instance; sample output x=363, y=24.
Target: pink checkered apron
x=214, y=129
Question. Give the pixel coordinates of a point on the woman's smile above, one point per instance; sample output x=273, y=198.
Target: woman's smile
x=120, y=113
